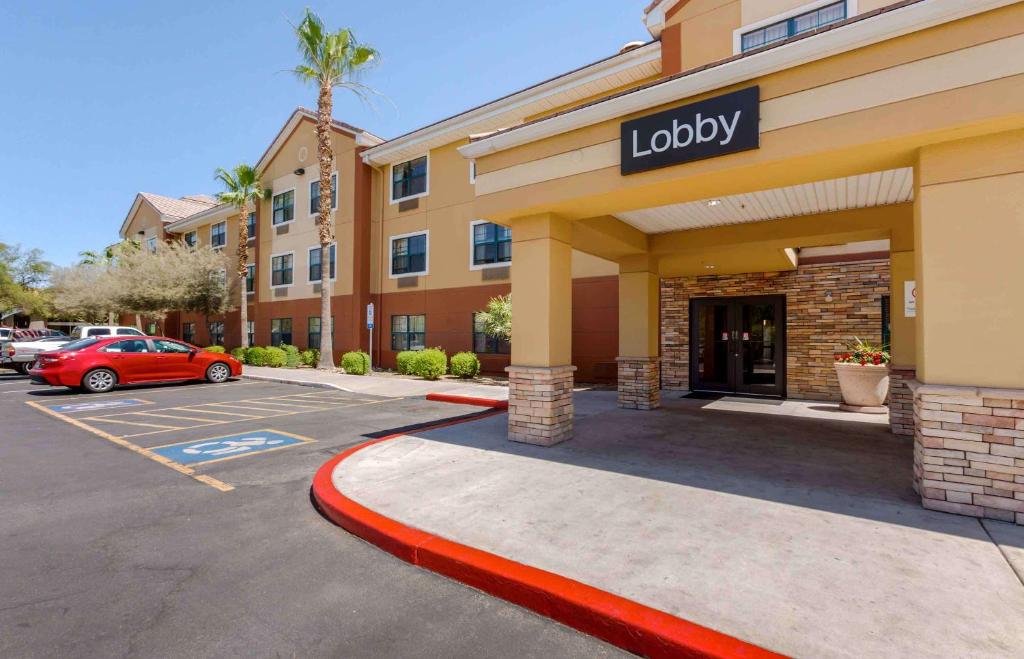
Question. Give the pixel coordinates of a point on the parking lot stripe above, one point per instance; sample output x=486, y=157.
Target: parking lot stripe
x=189, y=408
x=286, y=404
x=120, y=441
x=103, y=419
x=245, y=406
x=176, y=416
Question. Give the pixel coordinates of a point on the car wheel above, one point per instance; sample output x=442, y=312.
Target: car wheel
x=99, y=381
x=21, y=368
x=218, y=372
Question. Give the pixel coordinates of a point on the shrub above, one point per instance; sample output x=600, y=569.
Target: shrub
x=310, y=357
x=217, y=349
x=291, y=356
x=465, y=365
x=276, y=357
x=239, y=354
x=356, y=363
x=256, y=356
x=430, y=364
x=405, y=361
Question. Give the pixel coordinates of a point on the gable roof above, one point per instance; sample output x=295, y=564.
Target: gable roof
x=363, y=137
x=169, y=208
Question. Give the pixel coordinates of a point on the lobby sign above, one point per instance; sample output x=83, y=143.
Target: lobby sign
x=909, y=299
x=706, y=129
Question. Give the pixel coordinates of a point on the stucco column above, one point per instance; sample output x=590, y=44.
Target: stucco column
x=902, y=341
x=969, y=399
x=541, y=374
x=639, y=372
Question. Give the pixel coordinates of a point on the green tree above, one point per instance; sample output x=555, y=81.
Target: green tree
x=497, y=318
x=24, y=278
x=330, y=59
x=243, y=190
x=109, y=254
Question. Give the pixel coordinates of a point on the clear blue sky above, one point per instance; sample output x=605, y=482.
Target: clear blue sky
x=101, y=99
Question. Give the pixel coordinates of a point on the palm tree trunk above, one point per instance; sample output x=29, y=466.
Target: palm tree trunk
x=243, y=262
x=325, y=222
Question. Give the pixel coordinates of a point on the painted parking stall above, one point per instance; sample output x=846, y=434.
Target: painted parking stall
x=215, y=449
x=97, y=405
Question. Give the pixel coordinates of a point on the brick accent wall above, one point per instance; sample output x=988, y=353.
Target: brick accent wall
x=969, y=450
x=639, y=383
x=901, y=401
x=816, y=328
x=540, y=405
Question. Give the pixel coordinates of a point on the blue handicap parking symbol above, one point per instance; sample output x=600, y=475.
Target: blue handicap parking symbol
x=220, y=448
x=96, y=405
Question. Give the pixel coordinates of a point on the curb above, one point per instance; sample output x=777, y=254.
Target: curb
x=301, y=383
x=494, y=403
x=617, y=620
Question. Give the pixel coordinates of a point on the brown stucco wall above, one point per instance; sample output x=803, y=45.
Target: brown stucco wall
x=815, y=329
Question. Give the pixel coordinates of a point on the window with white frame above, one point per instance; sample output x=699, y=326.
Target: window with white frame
x=314, y=195
x=250, y=224
x=151, y=244
x=315, y=265
x=190, y=238
x=409, y=179
x=492, y=244
x=409, y=254
x=218, y=235
x=284, y=207
x=281, y=267
x=250, y=278
x=794, y=25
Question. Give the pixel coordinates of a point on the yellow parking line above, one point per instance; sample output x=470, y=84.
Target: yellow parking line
x=182, y=469
x=245, y=407
x=130, y=423
x=175, y=416
x=189, y=408
x=264, y=401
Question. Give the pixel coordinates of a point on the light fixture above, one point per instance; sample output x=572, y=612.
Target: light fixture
x=713, y=202
x=828, y=296
x=709, y=266
x=300, y=171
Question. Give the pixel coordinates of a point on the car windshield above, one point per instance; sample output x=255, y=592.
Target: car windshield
x=79, y=344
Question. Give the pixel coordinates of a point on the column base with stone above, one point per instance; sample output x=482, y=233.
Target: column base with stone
x=639, y=383
x=540, y=406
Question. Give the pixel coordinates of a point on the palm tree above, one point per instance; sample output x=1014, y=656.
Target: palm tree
x=243, y=190
x=330, y=59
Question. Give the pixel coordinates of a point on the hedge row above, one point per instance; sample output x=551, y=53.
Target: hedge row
x=432, y=363
x=285, y=355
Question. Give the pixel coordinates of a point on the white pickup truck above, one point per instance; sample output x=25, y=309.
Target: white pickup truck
x=20, y=353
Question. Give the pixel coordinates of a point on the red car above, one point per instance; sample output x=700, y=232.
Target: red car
x=98, y=364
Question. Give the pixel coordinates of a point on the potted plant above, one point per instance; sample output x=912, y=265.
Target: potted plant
x=863, y=373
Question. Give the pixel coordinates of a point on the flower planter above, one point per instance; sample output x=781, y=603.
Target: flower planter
x=864, y=387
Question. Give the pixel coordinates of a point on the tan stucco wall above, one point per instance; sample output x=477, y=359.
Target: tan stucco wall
x=759, y=10
x=302, y=233
x=145, y=219
x=969, y=228
x=705, y=30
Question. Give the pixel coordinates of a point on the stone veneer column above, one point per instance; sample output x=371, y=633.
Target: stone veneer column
x=969, y=450
x=540, y=406
x=639, y=383
x=901, y=401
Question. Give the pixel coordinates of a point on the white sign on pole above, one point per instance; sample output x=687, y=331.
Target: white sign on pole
x=909, y=299
x=369, y=316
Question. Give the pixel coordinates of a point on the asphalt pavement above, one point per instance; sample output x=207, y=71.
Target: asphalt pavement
x=175, y=520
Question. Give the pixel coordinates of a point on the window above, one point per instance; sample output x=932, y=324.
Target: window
x=218, y=235
x=188, y=332
x=221, y=277
x=409, y=254
x=172, y=347
x=315, y=269
x=250, y=278
x=314, y=195
x=886, y=324
x=492, y=244
x=280, y=331
x=151, y=329
x=472, y=172
x=126, y=331
x=216, y=333
x=408, y=332
x=409, y=179
x=151, y=244
x=281, y=270
x=284, y=207
x=313, y=332
x=98, y=331
x=251, y=331
x=190, y=238
x=483, y=344
x=794, y=25
x=250, y=223
x=132, y=345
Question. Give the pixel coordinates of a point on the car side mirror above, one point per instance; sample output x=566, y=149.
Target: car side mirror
x=192, y=352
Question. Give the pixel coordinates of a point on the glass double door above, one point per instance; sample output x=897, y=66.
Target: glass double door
x=738, y=345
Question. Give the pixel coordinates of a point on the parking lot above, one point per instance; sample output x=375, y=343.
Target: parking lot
x=176, y=520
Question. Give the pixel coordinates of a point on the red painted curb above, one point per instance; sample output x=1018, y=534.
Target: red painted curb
x=617, y=620
x=469, y=400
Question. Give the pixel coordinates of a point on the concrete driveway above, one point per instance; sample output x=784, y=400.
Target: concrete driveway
x=786, y=525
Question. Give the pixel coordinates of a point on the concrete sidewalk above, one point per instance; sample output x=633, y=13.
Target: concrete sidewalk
x=377, y=385
x=767, y=525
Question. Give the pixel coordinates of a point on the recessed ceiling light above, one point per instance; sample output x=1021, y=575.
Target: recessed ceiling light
x=709, y=266
x=714, y=202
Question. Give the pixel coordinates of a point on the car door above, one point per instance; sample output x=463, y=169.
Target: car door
x=132, y=359
x=176, y=361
